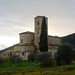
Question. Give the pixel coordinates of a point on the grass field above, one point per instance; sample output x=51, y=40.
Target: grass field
x=30, y=68
x=8, y=65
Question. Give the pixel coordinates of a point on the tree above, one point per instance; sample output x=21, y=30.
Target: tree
x=73, y=56
x=31, y=57
x=44, y=37
x=1, y=60
x=43, y=56
x=45, y=60
x=64, y=54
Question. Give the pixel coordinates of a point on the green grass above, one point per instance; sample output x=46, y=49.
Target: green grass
x=30, y=68
x=8, y=65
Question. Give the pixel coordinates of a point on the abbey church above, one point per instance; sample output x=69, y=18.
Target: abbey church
x=30, y=40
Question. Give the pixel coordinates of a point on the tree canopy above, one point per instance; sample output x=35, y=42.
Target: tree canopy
x=64, y=54
x=44, y=36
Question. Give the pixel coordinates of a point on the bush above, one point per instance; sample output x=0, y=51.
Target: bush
x=73, y=56
x=31, y=57
x=58, y=61
x=48, y=63
x=42, y=56
x=16, y=58
x=64, y=54
x=1, y=60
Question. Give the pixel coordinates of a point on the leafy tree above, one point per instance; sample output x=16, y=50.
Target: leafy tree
x=44, y=37
x=64, y=54
x=45, y=60
x=73, y=56
x=48, y=63
x=43, y=56
x=31, y=57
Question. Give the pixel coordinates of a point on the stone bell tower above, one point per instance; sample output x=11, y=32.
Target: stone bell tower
x=38, y=24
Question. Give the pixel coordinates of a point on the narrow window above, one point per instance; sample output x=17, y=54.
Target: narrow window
x=38, y=23
x=38, y=43
x=22, y=53
x=21, y=41
x=38, y=32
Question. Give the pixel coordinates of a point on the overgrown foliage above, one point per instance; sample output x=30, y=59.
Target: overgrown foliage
x=64, y=54
x=48, y=63
x=16, y=58
x=31, y=57
x=45, y=59
x=42, y=56
x=1, y=60
x=73, y=56
x=44, y=36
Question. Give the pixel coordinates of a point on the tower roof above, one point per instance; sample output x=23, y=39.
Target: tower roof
x=40, y=17
x=27, y=32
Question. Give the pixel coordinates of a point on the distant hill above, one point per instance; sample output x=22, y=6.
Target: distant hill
x=70, y=39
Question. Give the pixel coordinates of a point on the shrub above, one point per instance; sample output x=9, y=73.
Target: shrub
x=64, y=54
x=73, y=56
x=31, y=57
x=48, y=63
x=16, y=58
x=42, y=56
x=58, y=61
x=1, y=60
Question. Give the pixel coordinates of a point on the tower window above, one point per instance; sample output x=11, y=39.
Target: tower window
x=38, y=32
x=38, y=23
x=21, y=41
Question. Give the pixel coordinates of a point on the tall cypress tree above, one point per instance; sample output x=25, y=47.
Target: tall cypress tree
x=43, y=37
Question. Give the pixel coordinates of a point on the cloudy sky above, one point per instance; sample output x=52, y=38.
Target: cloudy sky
x=17, y=16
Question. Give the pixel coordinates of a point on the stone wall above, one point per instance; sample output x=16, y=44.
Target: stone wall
x=6, y=54
x=53, y=43
x=26, y=38
x=23, y=50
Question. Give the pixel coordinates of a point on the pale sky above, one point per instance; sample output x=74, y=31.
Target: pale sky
x=17, y=16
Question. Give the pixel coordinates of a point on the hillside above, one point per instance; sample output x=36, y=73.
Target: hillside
x=70, y=39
